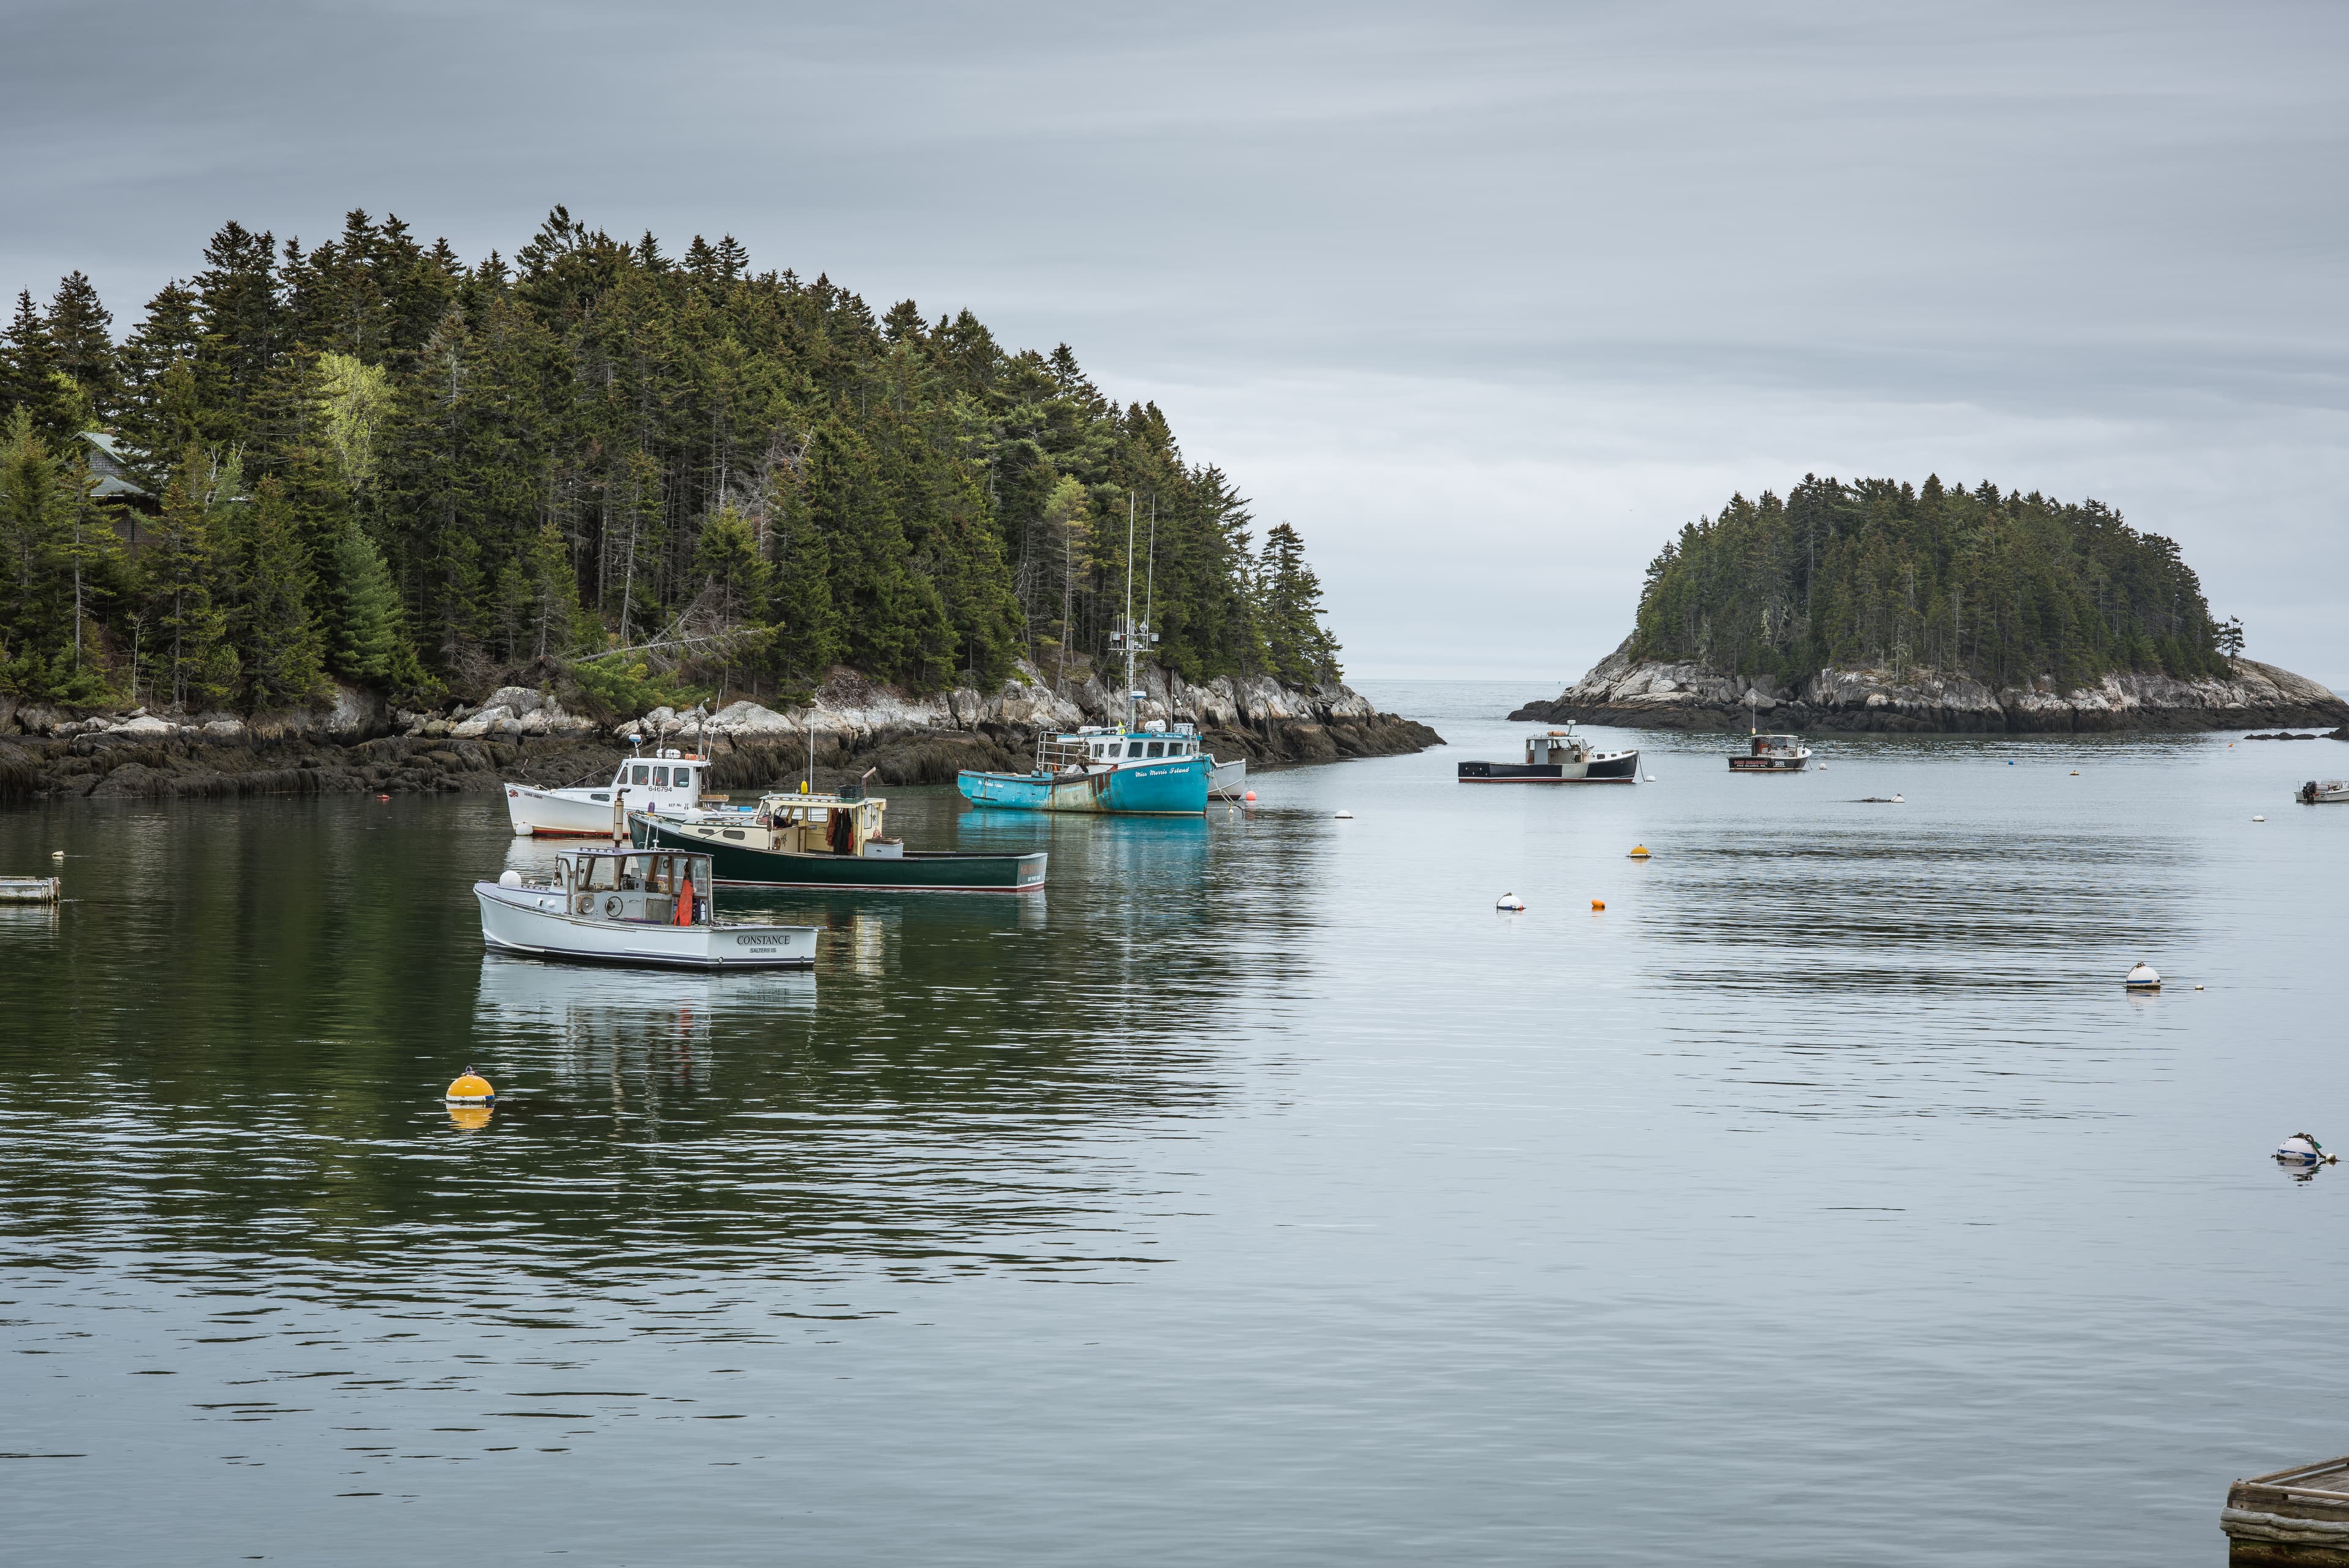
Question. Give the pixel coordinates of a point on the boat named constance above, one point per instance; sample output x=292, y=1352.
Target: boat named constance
x=632, y=907
x=1558, y=756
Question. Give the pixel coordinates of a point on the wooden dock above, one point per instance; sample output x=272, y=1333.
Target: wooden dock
x=2299, y=1516
x=30, y=889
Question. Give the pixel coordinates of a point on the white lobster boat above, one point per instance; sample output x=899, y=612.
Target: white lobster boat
x=647, y=907
x=666, y=781
x=1227, y=780
x=2323, y=792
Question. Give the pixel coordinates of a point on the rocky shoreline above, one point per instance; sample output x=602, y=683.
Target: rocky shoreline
x=1656, y=695
x=362, y=746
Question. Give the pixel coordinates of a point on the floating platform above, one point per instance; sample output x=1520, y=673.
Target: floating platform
x=2299, y=1516
x=30, y=889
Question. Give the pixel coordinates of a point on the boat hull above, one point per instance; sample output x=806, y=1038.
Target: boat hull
x=1614, y=767
x=916, y=871
x=536, y=922
x=1768, y=765
x=1175, y=787
x=1229, y=779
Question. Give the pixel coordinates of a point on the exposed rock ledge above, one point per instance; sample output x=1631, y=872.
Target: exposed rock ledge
x=361, y=746
x=1679, y=696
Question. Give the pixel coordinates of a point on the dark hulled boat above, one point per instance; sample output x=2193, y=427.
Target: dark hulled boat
x=1558, y=756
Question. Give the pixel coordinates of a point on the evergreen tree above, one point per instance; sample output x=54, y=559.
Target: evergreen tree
x=182, y=569
x=277, y=646
x=80, y=332
x=1297, y=647
x=365, y=617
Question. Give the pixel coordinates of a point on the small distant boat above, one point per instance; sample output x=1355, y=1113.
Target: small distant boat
x=828, y=841
x=668, y=780
x=646, y=908
x=1227, y=780
x=1557, y=757
x=2319, y=793
x=1770, y=753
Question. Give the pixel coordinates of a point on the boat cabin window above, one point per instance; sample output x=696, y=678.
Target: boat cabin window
x=600, y=874
x=639, y=773
x=1134, y=749
x=1157, y=748
x=660, y=778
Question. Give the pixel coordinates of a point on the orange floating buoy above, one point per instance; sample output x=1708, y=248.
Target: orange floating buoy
x=1597, y=903
x=383, y=797
x=469, y=1089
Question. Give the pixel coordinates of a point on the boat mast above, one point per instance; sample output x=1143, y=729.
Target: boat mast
x=1129, y=609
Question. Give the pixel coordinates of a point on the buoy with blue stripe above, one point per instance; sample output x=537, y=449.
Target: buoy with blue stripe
x=1509, y=901
x=2302, y=1148
x=2143, y=977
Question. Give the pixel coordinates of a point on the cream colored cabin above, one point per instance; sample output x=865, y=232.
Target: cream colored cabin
x=801, y=825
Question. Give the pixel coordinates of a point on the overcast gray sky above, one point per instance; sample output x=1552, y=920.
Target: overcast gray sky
x=1486, y=299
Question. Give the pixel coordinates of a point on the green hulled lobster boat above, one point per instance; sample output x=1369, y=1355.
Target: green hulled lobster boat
x=827, y=841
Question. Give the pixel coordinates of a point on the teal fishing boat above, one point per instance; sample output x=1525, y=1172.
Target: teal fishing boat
x=1126, y=770
x=831, y=841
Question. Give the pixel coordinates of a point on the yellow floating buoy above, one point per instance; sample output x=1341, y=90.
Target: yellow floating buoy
x=1640, y=852
x=1597, y=903
x=2076, y=773
x=469, y=1089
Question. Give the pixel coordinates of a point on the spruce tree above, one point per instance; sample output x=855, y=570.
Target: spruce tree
x=365, y=610
x=276, y=643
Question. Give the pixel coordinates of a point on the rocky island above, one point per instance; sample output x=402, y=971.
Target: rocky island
x=365, y=517
x=1882, y=605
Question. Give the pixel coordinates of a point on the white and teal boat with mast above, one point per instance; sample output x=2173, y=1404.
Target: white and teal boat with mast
x=1153, y=769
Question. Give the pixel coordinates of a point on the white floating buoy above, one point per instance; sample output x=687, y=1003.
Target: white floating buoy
x=2258, y=819
x=1345, y=816
x=56, y=855
x=2143, y=977
x=1508, y=901
x=509, y=877
x=2302, y=1148
x=1899, y=799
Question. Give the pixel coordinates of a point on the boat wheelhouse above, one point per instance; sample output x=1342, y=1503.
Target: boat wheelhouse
x=649, y=907
x=1558, y=756
x=668, y=780
x=804, y=840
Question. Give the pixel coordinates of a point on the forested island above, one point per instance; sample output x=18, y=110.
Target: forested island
x=1883, y=604
x=366, y=475
x=367, y=460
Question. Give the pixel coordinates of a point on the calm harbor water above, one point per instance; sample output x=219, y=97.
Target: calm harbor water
x=1257, y=1194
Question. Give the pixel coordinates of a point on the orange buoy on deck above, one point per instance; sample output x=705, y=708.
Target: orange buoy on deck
x=685, y=904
